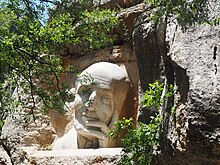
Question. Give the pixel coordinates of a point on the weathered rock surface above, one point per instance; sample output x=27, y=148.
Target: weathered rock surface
x=196, y=52
x=146, y=50
x=4, y=157
x=11, y=137
x=190, y=62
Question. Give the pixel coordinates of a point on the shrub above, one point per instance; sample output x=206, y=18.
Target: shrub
x=139, y=143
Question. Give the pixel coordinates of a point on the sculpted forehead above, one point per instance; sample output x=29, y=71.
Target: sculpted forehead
x=103, y=73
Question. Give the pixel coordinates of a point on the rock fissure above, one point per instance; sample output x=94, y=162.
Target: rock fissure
x=215, y=53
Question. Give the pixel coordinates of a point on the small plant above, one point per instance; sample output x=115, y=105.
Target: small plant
x=153, y=96
x=139, y=143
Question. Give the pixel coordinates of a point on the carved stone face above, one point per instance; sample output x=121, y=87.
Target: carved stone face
x=100, y=94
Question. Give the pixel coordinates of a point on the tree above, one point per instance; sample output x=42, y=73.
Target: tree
x=186, y=12
x=30, y=45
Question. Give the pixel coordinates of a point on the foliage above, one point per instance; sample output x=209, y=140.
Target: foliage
x=124, y=124
x=152, y=97
x=139, y=143
x=186, y=12
x=30, y=46
x=88, y=30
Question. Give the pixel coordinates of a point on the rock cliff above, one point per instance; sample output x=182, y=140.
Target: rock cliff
x=188, y=58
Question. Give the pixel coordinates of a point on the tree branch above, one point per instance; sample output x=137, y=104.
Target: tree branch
x=31, y=85
x=48, y=1
x=43, y=63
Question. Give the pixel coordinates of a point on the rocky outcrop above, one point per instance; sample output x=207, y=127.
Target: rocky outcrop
x=10, y=142
x=147, y=51
x=4, y=157
x=195, y=51
x=190, y=62
x=17, y=132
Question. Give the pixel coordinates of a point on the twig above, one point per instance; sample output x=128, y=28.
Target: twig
x=31, y=84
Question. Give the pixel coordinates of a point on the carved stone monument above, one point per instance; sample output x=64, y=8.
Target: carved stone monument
x=100, y=94
x=101, y=90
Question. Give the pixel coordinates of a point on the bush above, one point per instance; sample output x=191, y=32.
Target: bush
x=139, y=143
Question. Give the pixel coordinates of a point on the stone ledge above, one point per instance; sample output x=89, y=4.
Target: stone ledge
x=101, y=156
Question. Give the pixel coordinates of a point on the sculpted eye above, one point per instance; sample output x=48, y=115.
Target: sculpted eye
x=85, y=91
x=87, y=95
x=105, y=99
